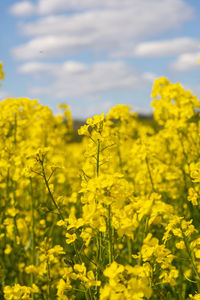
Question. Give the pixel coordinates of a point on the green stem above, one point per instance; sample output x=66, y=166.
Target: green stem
x=99, y=237
x=50, y=193
x=16, y=232
x=190, y=254
x=49, y=280
x=14, y=184
x=15, y=131
x=32, y=235
x=129, y=250
x=110, y=247
x=149, y=172
x=98, y=156
x=119, y=152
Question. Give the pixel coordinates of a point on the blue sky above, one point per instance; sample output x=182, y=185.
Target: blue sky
x=94, y=54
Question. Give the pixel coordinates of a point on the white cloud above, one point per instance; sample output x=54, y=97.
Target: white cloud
x=4, y=95
x=23, y=8
x=35, y=67
x=52, y=6
x=166, y=47
x=39, y=68
x=186, y=62
x=51, y=46
x=43, y=7
x=97, y=28
x=72, y=79
x=148, y=76
x=110, y=27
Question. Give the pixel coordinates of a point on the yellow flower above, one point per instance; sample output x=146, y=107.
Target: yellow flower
x=62, y=286
x=31, y=269
x=195, y=297
x=83, y=130
x=91, y=281
x=80, y=268
x=8, y=249
x=70, y=238
x=113, y=270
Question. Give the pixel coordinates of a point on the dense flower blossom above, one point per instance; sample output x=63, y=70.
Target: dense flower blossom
x=114, y=215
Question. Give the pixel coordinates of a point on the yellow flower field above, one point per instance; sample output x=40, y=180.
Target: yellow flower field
x=115, y=216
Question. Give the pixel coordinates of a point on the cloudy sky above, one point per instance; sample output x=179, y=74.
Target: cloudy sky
x=94, y=54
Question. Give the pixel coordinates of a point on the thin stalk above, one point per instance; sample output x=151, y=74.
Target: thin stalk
x=99, y=246
x=16, y=232
x=49, y=280
x=32, y=235
x=86, y=295
x=14, y=184
x=191, y=259
x=50, y=193
x=7, y=183
x=149, y=172
x=119, y=153
x=77, y=253
x=97, y=169
x=87, y=292
x=15, y=131
x=110, y=247
x=90, y=294
x=129, y=250
x=98, y=156
x=99, y=238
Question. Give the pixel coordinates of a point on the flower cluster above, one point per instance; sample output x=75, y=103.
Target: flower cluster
x=115, y=215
